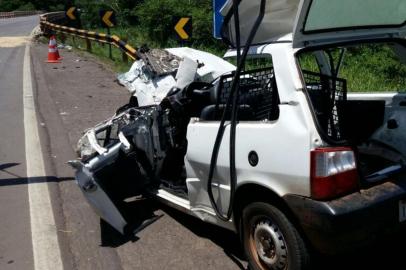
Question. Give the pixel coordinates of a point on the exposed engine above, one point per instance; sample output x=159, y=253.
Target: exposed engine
x=153, y=134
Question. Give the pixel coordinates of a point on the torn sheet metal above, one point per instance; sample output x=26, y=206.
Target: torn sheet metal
x=151, y=77
x=191, y=65
x=148, y=89
x=152, y=92
x=92, y=190
x=135, y=72
x=105, y=147
x=186, y=73
x=211, y=66
x=159, y=62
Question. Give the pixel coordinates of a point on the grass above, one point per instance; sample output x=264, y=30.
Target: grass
x=101, y=51
x=367, y=68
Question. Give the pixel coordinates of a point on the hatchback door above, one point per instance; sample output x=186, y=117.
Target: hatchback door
x=316, y=22
x=321, y=22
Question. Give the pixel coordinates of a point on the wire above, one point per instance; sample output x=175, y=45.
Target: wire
x=234, y=94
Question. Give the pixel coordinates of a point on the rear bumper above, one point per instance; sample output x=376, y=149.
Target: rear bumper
x=351, y=221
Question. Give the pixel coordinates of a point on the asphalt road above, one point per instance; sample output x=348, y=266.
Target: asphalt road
x=15, y=236
x=19, y=26
x=70, y=97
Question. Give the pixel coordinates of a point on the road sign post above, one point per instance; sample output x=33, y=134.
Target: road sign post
x=217, y=18
x=108, y=20
x=110, y=53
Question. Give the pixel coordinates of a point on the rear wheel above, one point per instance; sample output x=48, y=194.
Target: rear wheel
x=270, y=240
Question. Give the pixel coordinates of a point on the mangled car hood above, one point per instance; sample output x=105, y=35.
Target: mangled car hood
x=184, y=65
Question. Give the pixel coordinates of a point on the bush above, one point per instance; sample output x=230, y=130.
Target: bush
x=156, y=19
x=10, y=5
x=90, y=17
x=58, y=7
x=26, y=7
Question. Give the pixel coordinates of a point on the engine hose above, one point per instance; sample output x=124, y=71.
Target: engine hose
x=234, y=95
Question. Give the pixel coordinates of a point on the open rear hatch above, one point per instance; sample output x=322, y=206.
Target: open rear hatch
x=321, y=22
x=317, y=22
x=372, y=124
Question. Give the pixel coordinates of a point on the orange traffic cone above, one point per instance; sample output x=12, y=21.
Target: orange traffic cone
x=52, y=53
x=53, y=42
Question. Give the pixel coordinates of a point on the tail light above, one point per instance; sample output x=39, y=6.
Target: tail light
x=333, y=172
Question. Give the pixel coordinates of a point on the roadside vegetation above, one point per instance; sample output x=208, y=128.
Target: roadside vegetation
x=367, y=68
x=28, y=5
x=150, y=22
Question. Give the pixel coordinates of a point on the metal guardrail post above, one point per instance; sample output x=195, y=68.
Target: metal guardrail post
x=110, y=54
x=62, y=37
x=49, y=22
x=124, y=54
x=88, y=45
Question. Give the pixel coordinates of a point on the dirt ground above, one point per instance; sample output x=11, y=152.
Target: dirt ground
x=11, y=42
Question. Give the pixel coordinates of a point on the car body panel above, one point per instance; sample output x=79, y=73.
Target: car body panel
x=268, y=139
x=93, y=191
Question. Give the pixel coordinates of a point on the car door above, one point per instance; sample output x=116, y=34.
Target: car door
x=257, y=111
x=90, y=185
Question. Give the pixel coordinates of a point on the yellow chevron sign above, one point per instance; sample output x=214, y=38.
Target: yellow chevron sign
x=70, y=12
x=106, y=18
x=183, y=27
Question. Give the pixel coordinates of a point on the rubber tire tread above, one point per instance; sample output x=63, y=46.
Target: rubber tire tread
x=298, y=254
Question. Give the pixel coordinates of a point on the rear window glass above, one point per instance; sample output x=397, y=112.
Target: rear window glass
x=325, y=15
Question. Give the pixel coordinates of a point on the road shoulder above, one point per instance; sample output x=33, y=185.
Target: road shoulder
x=67, y=104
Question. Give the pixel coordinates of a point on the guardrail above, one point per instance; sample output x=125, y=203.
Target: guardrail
x=54, y=21
x=12, y=14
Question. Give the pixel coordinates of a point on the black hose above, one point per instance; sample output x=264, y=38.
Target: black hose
x=234, y=94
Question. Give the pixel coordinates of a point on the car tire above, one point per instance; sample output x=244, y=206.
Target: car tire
x=270, y=240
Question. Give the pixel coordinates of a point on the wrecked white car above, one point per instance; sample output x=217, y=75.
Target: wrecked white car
x=287, y=155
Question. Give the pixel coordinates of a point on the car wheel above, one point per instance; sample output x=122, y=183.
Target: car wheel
x=270, y=240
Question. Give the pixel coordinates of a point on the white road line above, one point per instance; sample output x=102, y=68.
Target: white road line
x=47, y=255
